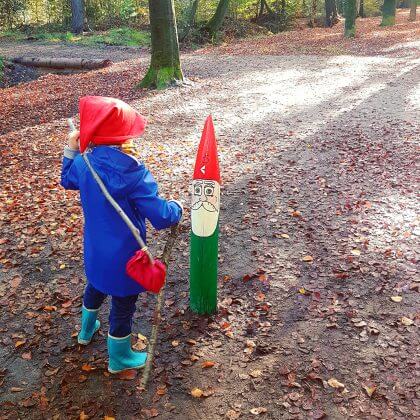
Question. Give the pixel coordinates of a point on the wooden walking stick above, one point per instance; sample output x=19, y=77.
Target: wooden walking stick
x=158, y=309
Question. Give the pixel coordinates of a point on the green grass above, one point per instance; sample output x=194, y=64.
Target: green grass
x=118, y=36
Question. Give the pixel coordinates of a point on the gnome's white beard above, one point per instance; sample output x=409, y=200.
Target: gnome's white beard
x=204, y=222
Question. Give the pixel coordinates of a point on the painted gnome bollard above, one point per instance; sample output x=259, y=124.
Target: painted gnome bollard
x=205, y=224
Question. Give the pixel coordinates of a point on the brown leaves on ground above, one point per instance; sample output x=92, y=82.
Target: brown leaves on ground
x=370, y=38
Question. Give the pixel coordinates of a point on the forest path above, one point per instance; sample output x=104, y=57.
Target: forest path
x=319, y=230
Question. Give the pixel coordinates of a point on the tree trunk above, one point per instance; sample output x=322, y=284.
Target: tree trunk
x=165, y=66
x=63, y=63
x=388, y=13
x=313, y=13
x=283, y=7
x=216, y=21
x=261, y=8
x=350, y=12
x=413, y=7
x=192, y=13
x=330, y=10
x=362, y=9
x=77, y=16
x=335, y=13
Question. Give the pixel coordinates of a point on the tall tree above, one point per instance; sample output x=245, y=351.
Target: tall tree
x=215, y=23
x=330, y=13
x=350, y=13
x=77, y=16
x=361, y=9
x=413, y=7
x=165, y=65
x=388, y=12
x=190, y=19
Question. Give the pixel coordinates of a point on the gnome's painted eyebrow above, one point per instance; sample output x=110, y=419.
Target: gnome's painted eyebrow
x=209, y=183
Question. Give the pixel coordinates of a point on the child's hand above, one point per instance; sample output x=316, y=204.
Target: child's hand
x=179, y=204
x=73, y=139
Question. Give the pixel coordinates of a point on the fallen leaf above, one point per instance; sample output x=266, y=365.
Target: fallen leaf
x=52, y=372
x=20, y=343
x=15, y=282
x=127, y=375
x=285, y=236
x=175, y=343
x=232, y=415
x=50, y=308
x=246, y=277
x=27, y=356
x=83, y=416
x=255, y=373
x=356, y=252
x=207, y=364
x=150, y=413
x=109, y=418
x=208, y=392
x=229, y=334
x=369, y=389
x=407, y=321
x=197, y=392
x=16, y=389
x=258, y=410
x=396, y=298
x=294, y=396
x=162, y=390
x=307, y=258
x=260, y=297
x=334, y=383
x=88, y=368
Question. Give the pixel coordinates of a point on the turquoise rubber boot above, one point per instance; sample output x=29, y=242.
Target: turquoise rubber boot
x=121, y=355
x=90, y=325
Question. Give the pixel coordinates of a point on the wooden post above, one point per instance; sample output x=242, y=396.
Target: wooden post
x=205, y=225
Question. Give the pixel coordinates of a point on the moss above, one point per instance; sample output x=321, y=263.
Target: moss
x=388, y=13
x=161, y=78
x=388, y=20
x=350, y=33
x=350, y=15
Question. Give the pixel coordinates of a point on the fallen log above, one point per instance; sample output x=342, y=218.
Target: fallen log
x=63, y=63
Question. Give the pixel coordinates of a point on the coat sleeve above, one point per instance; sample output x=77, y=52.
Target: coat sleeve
x=160, y=212
x=69, y=176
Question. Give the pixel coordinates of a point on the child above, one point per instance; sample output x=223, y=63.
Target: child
x=107, y=125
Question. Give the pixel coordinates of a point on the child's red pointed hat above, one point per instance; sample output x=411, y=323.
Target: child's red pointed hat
x=207, y=162
x=108, y=121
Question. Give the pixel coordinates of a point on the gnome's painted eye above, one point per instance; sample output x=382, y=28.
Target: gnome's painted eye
x=197, y=190
x=209, y=191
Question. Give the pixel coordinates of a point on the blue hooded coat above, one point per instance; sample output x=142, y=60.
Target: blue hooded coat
x=108, y=243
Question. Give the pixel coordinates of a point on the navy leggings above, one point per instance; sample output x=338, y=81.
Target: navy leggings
x=122, y=310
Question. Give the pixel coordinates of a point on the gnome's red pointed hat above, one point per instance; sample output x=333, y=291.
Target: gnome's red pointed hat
x=207, y=163
x=108, y=121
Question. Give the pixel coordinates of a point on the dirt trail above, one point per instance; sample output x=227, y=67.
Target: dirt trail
x=319, y=228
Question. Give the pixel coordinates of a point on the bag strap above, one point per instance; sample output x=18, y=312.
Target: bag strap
x=119, y=210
